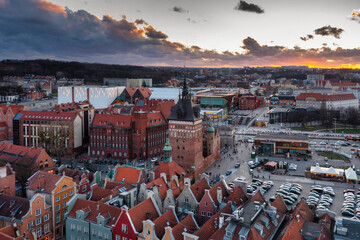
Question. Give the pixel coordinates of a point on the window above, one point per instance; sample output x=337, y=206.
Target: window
x=93, y=232
x=209, y=214
x=38, y=221
x=64, y=211
x=202, y=213
x=124, y=238
x=46, y=228
x=37, y=212
x=86, y=230
x=124, y=228
x=100, y=234
x=46, y=217
x=84, y=188
x=71, y=193
x=58, y=217
x=106, y=236
x=29, y=226
x=118, y=237
x=79, y=228
x=64, y=204
x=57, y=199
x=38, y=232
x=57, y=207
x=206, y=204
x=72, y=227
x=64, y=196
x=186, y=200
x=73, y=237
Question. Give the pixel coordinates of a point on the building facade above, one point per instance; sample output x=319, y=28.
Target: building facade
x=330, y=102
x=7, y=113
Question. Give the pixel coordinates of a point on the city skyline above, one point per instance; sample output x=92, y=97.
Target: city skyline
x=177, y=33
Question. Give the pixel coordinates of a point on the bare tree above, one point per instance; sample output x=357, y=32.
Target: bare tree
x=55, y=138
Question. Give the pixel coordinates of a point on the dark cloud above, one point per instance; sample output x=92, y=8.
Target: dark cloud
x=151, y=32
x=307, y=37
x=179, y=9
x=248, y=7
x=141, y=21
x=329, y=31
x=41, y=29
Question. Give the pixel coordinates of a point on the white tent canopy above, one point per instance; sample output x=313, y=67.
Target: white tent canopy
x=350, y=174
x=316, y=169
x=332, y=171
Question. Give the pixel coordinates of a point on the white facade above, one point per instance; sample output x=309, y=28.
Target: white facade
x=99, y=97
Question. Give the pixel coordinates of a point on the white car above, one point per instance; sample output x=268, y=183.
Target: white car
x=154, y=159
x=293, y=167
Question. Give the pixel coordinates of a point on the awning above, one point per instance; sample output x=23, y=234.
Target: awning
x=271, y=164
x=350, y=174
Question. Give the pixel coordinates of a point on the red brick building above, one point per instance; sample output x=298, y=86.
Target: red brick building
x=250, y=102
x=139, y=134
x=7, y=113
x=7, y=180
x=187, y=138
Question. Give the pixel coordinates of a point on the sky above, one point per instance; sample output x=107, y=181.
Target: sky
x=194, y=33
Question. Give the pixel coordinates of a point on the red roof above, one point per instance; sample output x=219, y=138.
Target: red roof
x=258, y=197
x=167, y=219
x=161, y=184
x=237, y=197
x=143, y=211
x=209, y=228
x=130, y=175
x=213, y=192
x=321, y=97
x=115, y=120
x=131, y=90
x=100, y=193
x=14, y=108
x=189, y=223
x=9, y=233
x=50, y=181
x=176, y=188
x=170, y=168
x=279, y=204
x=145, y=92
x=95, y=209
x=198, y=188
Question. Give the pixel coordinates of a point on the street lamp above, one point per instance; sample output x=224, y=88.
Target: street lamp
x=335, y=124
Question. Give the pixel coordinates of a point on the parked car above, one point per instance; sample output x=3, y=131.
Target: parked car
x=228, y=173
x=237, y=165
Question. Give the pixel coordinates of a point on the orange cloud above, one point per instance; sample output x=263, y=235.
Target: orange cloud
x=49, y=6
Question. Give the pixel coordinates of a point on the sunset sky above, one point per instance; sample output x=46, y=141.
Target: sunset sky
x=211, y=33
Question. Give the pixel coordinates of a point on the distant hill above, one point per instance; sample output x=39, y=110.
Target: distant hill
x=93, y=73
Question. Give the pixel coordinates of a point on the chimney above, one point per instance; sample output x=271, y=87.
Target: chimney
x=72, y=94
x=7, y=190
x=41, y=182
x=298, y=217
x=221, y=221
x=98, y=207
x=187, y=182
x=219, y=195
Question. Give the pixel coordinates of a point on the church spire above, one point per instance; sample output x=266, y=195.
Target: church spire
x=185, y=89
x=167, y=150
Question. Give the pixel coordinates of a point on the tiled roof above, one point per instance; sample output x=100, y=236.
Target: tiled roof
x=112, y=185
x=131, y=175
x=305, y=211
x=13, y=206
x=321, y=97
x=143, y=211
x=175, y=188
x=279, y=204
x=49, y=181
x=49, y=116
x=170, y=168
x=198, y=188
x=20, y=155
x=258, y=197
x=131, y=91
x=167, y=219
x=209, y=228
x=145, y=92
x=161, y=184
x=76, y=174
x=96, y=209
x=9, y=233
x=115, y=120
x=155, y=118
x=100, y=194
x=189, y=223
x=237, y=197
x=213, y=192
x=14, y=108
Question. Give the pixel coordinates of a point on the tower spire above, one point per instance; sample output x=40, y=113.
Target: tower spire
x=167, y=150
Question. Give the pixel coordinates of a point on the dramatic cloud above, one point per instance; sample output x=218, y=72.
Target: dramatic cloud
x=355, y=15
x=179, y=9
x=39, y=29
x=141, y=21
x=248, y=7
x=329, y=31
x=151, y=32
x=307, y=37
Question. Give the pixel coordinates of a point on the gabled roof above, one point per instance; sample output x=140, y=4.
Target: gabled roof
x=130, y=175
x=305, y=211
x=198, y=188
x=143, y=211
x=209, y=228
x=49, y=182
x=145, y=92
x=170, y=168
x=161, y=184
x=112, y=185
x=9, y=233
x=175, y=188
x=20, y=155
x=213, y=192
x=48, y=115
x=100, y=194
x=108, y=211
x=258, y=197
x=169, y=218
x=13, y=206
x=116, y=120
x=279, y=204
x=237, y=197
x=76, y=174
x=189, y=223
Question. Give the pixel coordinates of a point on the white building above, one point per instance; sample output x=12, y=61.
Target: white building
x=334, y=102
x=98, y=96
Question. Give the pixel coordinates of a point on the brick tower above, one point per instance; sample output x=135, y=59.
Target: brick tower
x=185, y=133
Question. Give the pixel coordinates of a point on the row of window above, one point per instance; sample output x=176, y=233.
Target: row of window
x=64, y=196
x=203, y=213
x=103, y=153
x=39, y=230
x=121, y=146
x=109, y=138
